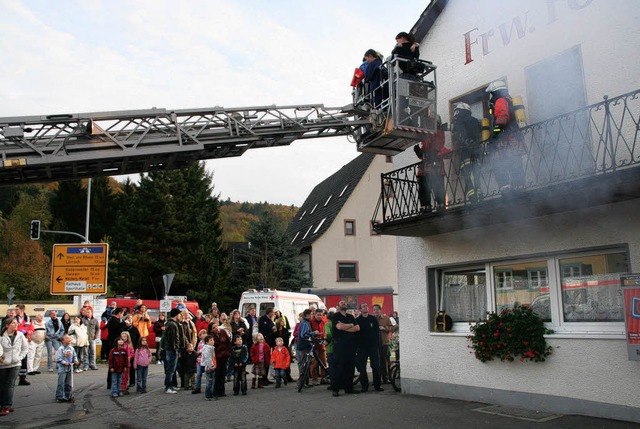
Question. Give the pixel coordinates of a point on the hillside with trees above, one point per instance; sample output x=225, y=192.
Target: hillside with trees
x=170, y=221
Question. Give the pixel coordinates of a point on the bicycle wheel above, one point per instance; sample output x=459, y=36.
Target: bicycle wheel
x=304, y=371
x=395, y=378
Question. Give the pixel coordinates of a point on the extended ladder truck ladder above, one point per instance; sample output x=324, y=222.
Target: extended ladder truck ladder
x=73, y=146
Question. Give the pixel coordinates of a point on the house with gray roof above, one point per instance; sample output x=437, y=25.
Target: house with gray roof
x=333, y=230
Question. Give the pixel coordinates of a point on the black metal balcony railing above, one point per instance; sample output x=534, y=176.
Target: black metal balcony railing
x=599, y=139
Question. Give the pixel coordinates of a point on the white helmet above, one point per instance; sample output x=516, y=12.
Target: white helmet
x=496, y=85
x=463, y=106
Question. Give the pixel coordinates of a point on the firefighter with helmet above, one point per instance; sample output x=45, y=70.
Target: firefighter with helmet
x=466, y=134
x=506, y=144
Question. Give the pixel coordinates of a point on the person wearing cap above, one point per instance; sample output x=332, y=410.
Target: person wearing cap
x=506, y=143
x=171, y=345
x=466, y=139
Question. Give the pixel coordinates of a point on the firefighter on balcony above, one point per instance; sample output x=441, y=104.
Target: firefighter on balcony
x=430, y=173
x=466, y=139
x=506, y=145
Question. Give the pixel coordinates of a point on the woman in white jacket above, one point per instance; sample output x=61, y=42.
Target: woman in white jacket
x=14, y=347
x=79, y=339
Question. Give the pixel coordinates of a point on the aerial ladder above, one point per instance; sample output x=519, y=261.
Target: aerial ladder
x=72, y=146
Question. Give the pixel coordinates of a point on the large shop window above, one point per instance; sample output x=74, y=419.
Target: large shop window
x=573, y=292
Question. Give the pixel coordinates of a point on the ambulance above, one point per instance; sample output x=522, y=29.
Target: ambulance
x=290, y=304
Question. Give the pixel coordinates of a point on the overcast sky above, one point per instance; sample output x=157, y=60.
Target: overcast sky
x=91, y=55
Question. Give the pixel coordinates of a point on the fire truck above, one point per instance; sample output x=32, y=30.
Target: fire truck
x=71, y=146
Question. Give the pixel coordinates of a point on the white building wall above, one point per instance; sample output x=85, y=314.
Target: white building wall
x=376, y=254
x=590, y=369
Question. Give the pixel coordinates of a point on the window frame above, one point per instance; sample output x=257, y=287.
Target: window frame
x=347, y=280
x=353, y=227
x=561, y=328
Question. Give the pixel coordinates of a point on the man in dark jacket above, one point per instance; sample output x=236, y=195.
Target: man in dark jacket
x=368, y=347
x=171, y=342
x=114, y=328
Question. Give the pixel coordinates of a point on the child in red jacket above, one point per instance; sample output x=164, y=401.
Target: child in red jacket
x=281, y=359
x=118, y=365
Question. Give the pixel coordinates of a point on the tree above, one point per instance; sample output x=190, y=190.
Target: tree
x=170, y=225
x=270, y=260
x=23, y=264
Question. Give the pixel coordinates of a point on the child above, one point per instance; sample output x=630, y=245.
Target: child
x=208, y=363
x=118, y=366
x=65, y=357
x=79, y=339
x=239, y=357
x=260, y=356
x=281, y=359
x=201, y=335
x=128, y=346
x=188, y=366
x=141, y=361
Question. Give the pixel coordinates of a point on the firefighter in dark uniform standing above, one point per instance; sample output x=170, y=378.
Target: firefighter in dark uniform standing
x=506, y=145
x=344, y=349
x=466, y=139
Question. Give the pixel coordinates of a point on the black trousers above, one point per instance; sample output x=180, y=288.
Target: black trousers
x=220, y=377
x=344, y=356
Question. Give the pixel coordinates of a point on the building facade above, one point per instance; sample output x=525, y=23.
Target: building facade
x=338, y=246
x=560, y=243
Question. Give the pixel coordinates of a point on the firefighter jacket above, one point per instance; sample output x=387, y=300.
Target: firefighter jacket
x=506, y=137
x=432, y=153
x=466, y=135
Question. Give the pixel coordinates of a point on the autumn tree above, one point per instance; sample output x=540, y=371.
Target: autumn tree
x=23, y=262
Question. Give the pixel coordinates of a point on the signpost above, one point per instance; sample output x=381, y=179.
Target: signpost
x=79, y=269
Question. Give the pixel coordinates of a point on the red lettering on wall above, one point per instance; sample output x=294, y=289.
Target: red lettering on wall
x=467, y=45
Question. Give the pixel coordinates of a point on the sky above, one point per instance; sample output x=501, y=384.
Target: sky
x=94, y=55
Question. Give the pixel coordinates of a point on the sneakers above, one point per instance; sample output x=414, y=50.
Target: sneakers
x=159, y=362
x=78, y=371
x=170, y=390
x=50, y=370
x=94, y=368
x=196, y=391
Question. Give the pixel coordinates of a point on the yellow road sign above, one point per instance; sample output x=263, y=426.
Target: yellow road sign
x=79, y=269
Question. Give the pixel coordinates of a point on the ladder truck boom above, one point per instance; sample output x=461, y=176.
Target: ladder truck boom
x=58, y=147
x=84, y=145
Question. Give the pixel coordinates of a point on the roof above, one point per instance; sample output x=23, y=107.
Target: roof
x=428, y=18
x=325, y=202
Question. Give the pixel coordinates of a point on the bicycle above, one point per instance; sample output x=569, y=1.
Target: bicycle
x=305, y=362
x=394, y=375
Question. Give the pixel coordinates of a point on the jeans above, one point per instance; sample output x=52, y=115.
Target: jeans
x=52, y=347
x=8, y=378
x=170, y=363
x=239, y=380
x=80, y=351
x=90, y=355
x=208, y=392
x=199, y=372
x=63, y=391
x=116, y=381
x=279, y=375
x=141, y=378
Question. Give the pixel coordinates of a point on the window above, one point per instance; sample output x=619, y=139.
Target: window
x=315, y=231
x=349, y=227
x=314, y=208
x=328, y=199
x=347, y=271
x=343, y=190
x=575, y=293
x=388, y=159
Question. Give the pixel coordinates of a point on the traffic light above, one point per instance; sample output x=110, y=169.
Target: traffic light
x=35, y=230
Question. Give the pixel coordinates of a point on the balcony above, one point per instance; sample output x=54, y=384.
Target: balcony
x=581, y=159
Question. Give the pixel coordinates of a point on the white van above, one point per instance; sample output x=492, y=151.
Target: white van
x=289, y=303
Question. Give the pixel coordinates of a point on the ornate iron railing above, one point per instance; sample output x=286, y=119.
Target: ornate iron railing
x=595, y=140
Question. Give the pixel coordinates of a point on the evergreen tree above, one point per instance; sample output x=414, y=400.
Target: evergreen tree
x=270, y=260
x=170, y=225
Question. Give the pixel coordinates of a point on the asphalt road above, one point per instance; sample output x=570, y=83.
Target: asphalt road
x=261, y=408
